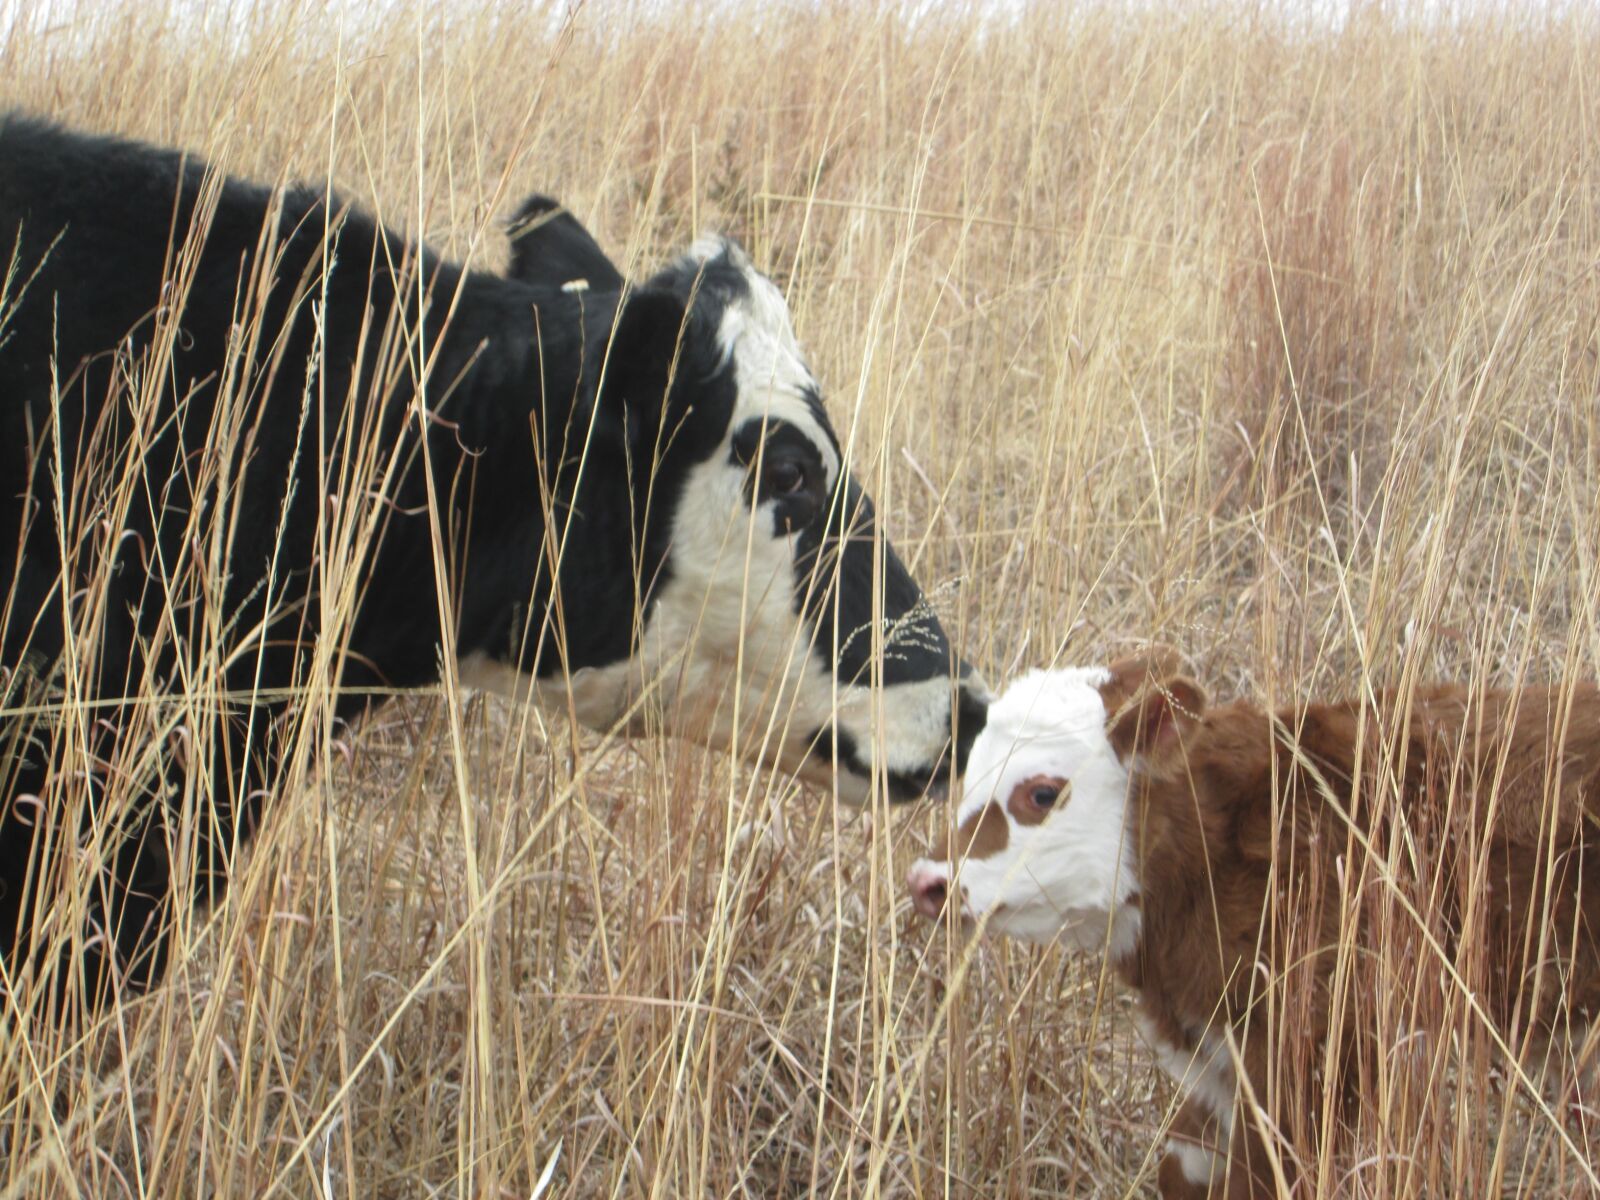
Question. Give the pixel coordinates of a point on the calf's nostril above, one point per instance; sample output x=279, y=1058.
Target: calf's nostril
x=929, y=891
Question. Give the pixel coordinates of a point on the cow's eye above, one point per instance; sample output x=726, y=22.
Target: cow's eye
x=784, y=477
x=1044, y=795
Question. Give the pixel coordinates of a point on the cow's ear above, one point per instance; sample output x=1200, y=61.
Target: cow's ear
x=1152, y=724
x=550, y=248
x=649, y=349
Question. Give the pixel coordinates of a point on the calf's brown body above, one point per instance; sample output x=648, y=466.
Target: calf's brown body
x=1458, y=828
x=1309, y=901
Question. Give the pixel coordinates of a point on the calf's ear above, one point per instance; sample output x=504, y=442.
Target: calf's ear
x=1136, y=671
x=1152, y=724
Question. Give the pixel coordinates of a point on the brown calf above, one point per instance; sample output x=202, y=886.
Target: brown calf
x=1222, y=853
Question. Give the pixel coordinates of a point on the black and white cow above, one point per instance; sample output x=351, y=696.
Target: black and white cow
x=205, y=385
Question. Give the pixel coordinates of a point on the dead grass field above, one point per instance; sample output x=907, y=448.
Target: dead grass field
x=1276, y=341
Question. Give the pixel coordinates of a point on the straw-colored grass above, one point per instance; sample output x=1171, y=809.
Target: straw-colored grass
x=1272, y=339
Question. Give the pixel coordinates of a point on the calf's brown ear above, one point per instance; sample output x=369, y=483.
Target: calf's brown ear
x=1136, y=671
x=1151, y=725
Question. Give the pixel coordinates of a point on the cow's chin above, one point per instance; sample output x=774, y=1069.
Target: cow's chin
x=850, y=786
x=846, y=780
x=814, y=766
x=805, y=764
x=818, y=760
x=604, y=699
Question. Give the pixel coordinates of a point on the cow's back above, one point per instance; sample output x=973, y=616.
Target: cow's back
x=165, y=355
x=93, y=228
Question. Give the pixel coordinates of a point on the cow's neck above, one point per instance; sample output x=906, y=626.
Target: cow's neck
x=521, y=427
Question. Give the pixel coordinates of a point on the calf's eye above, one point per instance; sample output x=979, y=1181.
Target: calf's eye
x=1034, y=798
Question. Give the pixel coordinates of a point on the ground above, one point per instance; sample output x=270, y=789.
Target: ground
x=1270, y=338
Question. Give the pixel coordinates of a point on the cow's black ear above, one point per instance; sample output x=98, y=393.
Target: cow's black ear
x=550, y=248
x=653, y=344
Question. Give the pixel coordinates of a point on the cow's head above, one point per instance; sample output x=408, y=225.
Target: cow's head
x=756, y=590
x=1040, y=846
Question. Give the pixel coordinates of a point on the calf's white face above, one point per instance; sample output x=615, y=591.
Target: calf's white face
x=1041, y=847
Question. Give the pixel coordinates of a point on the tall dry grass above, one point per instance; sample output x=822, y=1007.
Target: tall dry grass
x=1273, y=339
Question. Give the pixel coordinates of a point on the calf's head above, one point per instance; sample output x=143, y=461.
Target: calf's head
x=756, y=590
x=1041, y=845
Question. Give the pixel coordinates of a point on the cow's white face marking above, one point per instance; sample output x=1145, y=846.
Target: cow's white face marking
x=1066, y=870
x=723, y=637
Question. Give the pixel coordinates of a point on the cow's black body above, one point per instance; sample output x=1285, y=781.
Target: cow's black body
x=192, y=370
x=94, y=223
x=487, y=392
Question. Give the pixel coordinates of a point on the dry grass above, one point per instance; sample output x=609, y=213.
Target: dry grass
x=1275, y=342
